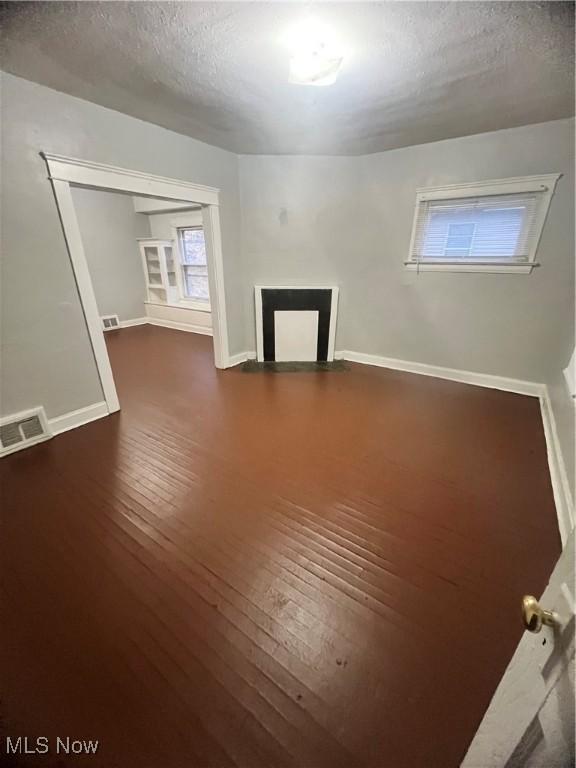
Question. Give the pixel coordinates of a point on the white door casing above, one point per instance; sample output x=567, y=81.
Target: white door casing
x=64, y=171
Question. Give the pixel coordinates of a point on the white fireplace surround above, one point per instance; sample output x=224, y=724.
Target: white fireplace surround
x=298, y=325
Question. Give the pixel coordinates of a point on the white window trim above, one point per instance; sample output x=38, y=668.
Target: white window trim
x=545, y=183
x=192, y=219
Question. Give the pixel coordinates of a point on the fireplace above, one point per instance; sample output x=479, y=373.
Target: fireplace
x=295, y=323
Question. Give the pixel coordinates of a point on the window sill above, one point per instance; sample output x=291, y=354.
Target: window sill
x=199, y=306
x=495, y=269
x=194, y=306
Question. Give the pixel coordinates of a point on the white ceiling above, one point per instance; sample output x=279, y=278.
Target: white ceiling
x=416, y=72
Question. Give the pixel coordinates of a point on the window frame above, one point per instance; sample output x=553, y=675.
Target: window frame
x=546, y=184
x=191, y=220
x=183, y=267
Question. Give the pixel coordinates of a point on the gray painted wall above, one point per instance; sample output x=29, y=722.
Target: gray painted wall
x=46, y=354
x=110, y=227
x=303, y=224
x=349, y=221
x=304, y=220
x=509, y=325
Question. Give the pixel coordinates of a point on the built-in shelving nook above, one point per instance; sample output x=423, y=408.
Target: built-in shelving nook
x=159, y=270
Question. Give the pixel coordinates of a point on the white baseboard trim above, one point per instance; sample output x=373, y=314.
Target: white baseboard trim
x=175, y=326
x=78, y=418
x=233, y=360
x=560, y=485
x=189, y=327
x=241, y=357
x=517, y=386
x=131, y=323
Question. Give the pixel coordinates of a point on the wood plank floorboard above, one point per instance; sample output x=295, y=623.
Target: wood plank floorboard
x=310, y=570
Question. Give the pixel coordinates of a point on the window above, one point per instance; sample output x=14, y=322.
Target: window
x=193, y=260
x=482, y=227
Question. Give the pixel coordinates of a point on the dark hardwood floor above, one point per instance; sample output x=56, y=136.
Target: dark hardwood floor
x=312, y=570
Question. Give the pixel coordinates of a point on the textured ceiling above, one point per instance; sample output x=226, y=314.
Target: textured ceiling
x=416, y=72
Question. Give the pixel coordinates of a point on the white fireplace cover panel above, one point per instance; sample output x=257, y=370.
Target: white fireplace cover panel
x=296, y=335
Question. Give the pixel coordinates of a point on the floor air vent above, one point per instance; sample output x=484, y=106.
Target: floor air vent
x=110, y=322
x=23, y=430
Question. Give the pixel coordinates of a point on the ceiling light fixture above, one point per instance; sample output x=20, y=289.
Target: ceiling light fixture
x=316, y=55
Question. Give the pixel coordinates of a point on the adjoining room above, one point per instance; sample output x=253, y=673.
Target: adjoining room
x=146, y=258
x=288, y=385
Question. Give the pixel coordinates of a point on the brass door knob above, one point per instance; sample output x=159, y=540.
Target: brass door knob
x=534, y=616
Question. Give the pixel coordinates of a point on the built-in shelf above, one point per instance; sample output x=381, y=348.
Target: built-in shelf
x=159, y=270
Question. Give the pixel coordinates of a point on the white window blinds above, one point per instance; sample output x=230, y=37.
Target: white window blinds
x=481, y=230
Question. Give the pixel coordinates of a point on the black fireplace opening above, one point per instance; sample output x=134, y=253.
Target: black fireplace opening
x=286, y=299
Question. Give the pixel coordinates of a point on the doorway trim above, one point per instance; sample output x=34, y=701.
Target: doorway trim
x=64, y=172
